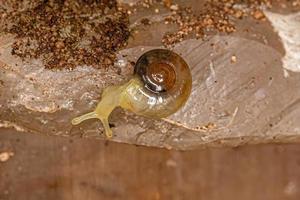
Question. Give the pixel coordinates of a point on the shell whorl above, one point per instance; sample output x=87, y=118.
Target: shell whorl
x=157, y=69
x=166, y=84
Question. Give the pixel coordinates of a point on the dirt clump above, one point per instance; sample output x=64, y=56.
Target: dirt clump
x=67, y=33
x=216, y=16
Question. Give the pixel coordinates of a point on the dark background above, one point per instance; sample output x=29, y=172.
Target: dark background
x=47, y=168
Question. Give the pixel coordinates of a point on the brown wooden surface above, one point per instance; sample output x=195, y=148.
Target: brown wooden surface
x=62, y=168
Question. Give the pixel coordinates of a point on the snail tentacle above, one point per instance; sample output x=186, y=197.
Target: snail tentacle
x=84, y=117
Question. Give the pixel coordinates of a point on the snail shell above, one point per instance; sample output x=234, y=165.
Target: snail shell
x=160, y=86
x=164, y=84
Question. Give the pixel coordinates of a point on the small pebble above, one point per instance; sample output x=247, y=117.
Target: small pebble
x=233, y=59
x=5, y=156
x=174, y=7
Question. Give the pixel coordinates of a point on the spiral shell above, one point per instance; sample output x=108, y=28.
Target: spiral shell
x=164, y=84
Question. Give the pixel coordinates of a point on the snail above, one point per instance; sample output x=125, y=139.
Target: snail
x=161, y=84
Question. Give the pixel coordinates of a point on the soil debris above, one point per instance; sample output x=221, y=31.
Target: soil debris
x=217, y=16
x=67, y=33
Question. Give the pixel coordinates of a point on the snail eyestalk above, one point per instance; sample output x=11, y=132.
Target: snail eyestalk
x=160, y=86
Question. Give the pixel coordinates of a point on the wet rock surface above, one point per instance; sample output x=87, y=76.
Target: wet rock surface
x=241, y=91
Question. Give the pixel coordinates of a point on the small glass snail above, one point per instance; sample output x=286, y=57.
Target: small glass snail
x=161, y=84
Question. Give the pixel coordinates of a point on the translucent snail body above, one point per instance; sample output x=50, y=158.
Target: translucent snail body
x=160, y=86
